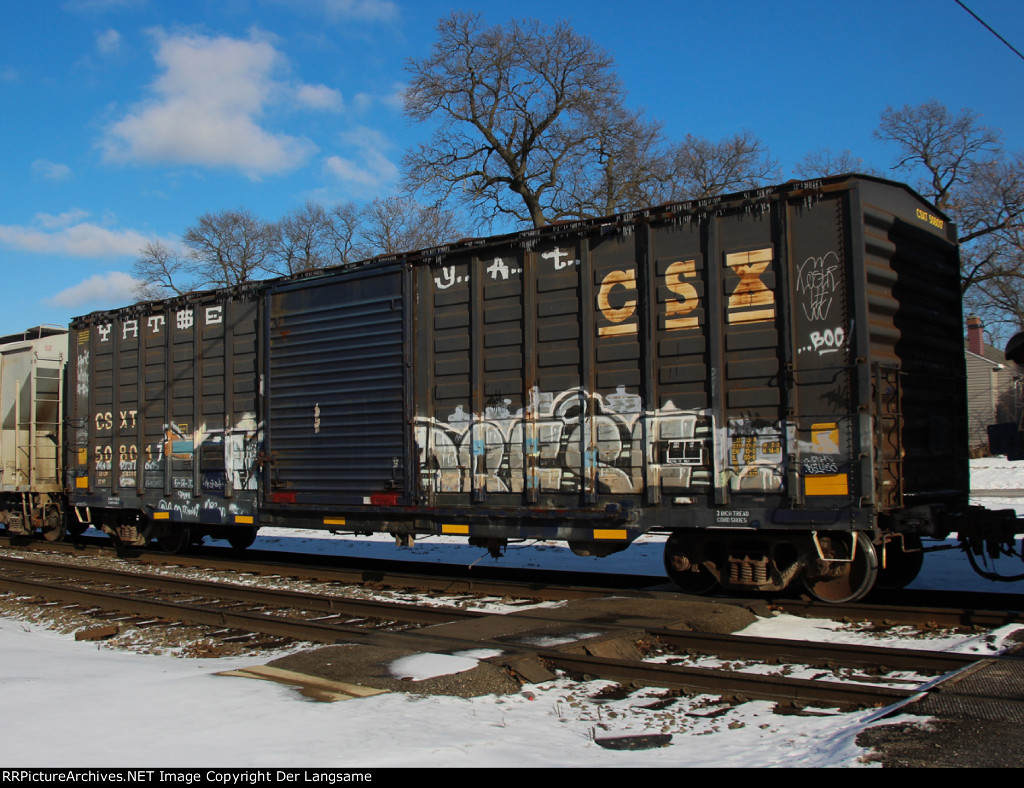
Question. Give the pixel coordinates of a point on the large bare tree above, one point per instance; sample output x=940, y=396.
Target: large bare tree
x=942, y=147
x=228, y=247
x=221, y=249
x=161, y=271
x=515, y=107
x=962, y=167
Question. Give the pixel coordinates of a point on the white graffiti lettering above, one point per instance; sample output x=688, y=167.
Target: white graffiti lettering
x=571, y=441
x=561, y=259
x=816, y=281
x=817, y=464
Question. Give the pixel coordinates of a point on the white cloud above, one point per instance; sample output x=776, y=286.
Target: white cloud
x=54, y=220
x=206, y=106
x=370, y=167
x=68, y=234
x=319, y=97
x=8, y=75
x=99, y=291
x=51, y=170
x=366, y=10
x=108, y=42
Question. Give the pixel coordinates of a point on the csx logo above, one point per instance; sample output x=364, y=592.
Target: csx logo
x=750, y=299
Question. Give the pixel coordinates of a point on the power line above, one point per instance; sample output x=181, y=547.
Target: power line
x=989, y=28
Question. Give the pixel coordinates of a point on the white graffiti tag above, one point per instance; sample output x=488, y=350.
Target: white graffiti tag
x=816, y=281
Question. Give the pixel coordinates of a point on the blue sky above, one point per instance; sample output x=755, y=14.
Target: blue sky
x=125, y=120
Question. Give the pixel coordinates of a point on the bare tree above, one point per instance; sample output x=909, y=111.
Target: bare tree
x=990, y=210
x=624, y=167
x=515, y=106
x=946, y=147
x=702, y=168
x=219, y=250
x=962, y=168
x=303, y=240
x=399, y=224
x=823, y=162
x=161, y=271
x=344, y=229
x=228, y=248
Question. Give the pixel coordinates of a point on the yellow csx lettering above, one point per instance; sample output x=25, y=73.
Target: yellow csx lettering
x=934, y=221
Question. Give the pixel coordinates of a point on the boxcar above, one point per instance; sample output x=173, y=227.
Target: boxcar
x=774, y=378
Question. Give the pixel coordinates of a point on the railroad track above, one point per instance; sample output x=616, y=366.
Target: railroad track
x=926, y=609
x=599, y=648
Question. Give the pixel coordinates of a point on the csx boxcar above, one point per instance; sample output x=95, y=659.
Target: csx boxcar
x=774, y=378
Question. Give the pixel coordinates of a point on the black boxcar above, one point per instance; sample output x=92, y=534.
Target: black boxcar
x=775, y=378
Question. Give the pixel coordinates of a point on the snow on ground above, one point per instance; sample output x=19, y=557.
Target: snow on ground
x=80, y=704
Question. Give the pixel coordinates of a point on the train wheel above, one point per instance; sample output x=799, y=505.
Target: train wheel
x=901, y=566
x=684, y=568
x=176, y=539
x=842, y=581
x=53, y=526
x=54, y=533
x=241, y=538
x=76, y=528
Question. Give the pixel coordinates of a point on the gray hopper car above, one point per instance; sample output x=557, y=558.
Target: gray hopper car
x=773, y=378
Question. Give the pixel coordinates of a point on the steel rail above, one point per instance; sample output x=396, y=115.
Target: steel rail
x=224, y=590
x=814, y=653
x=901, y=614
x=742, y=686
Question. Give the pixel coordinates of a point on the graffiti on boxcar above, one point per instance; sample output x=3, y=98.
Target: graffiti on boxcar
x=184, y=320
x=499, y=267
x=560, y=258
x=750, y=457
x=448, y=277
x=82, y=372
x=816, y=282
x=565, y=442
x=232, y=454
x=830, y=340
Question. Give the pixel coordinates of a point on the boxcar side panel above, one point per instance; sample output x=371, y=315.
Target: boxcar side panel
x=163, y=418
